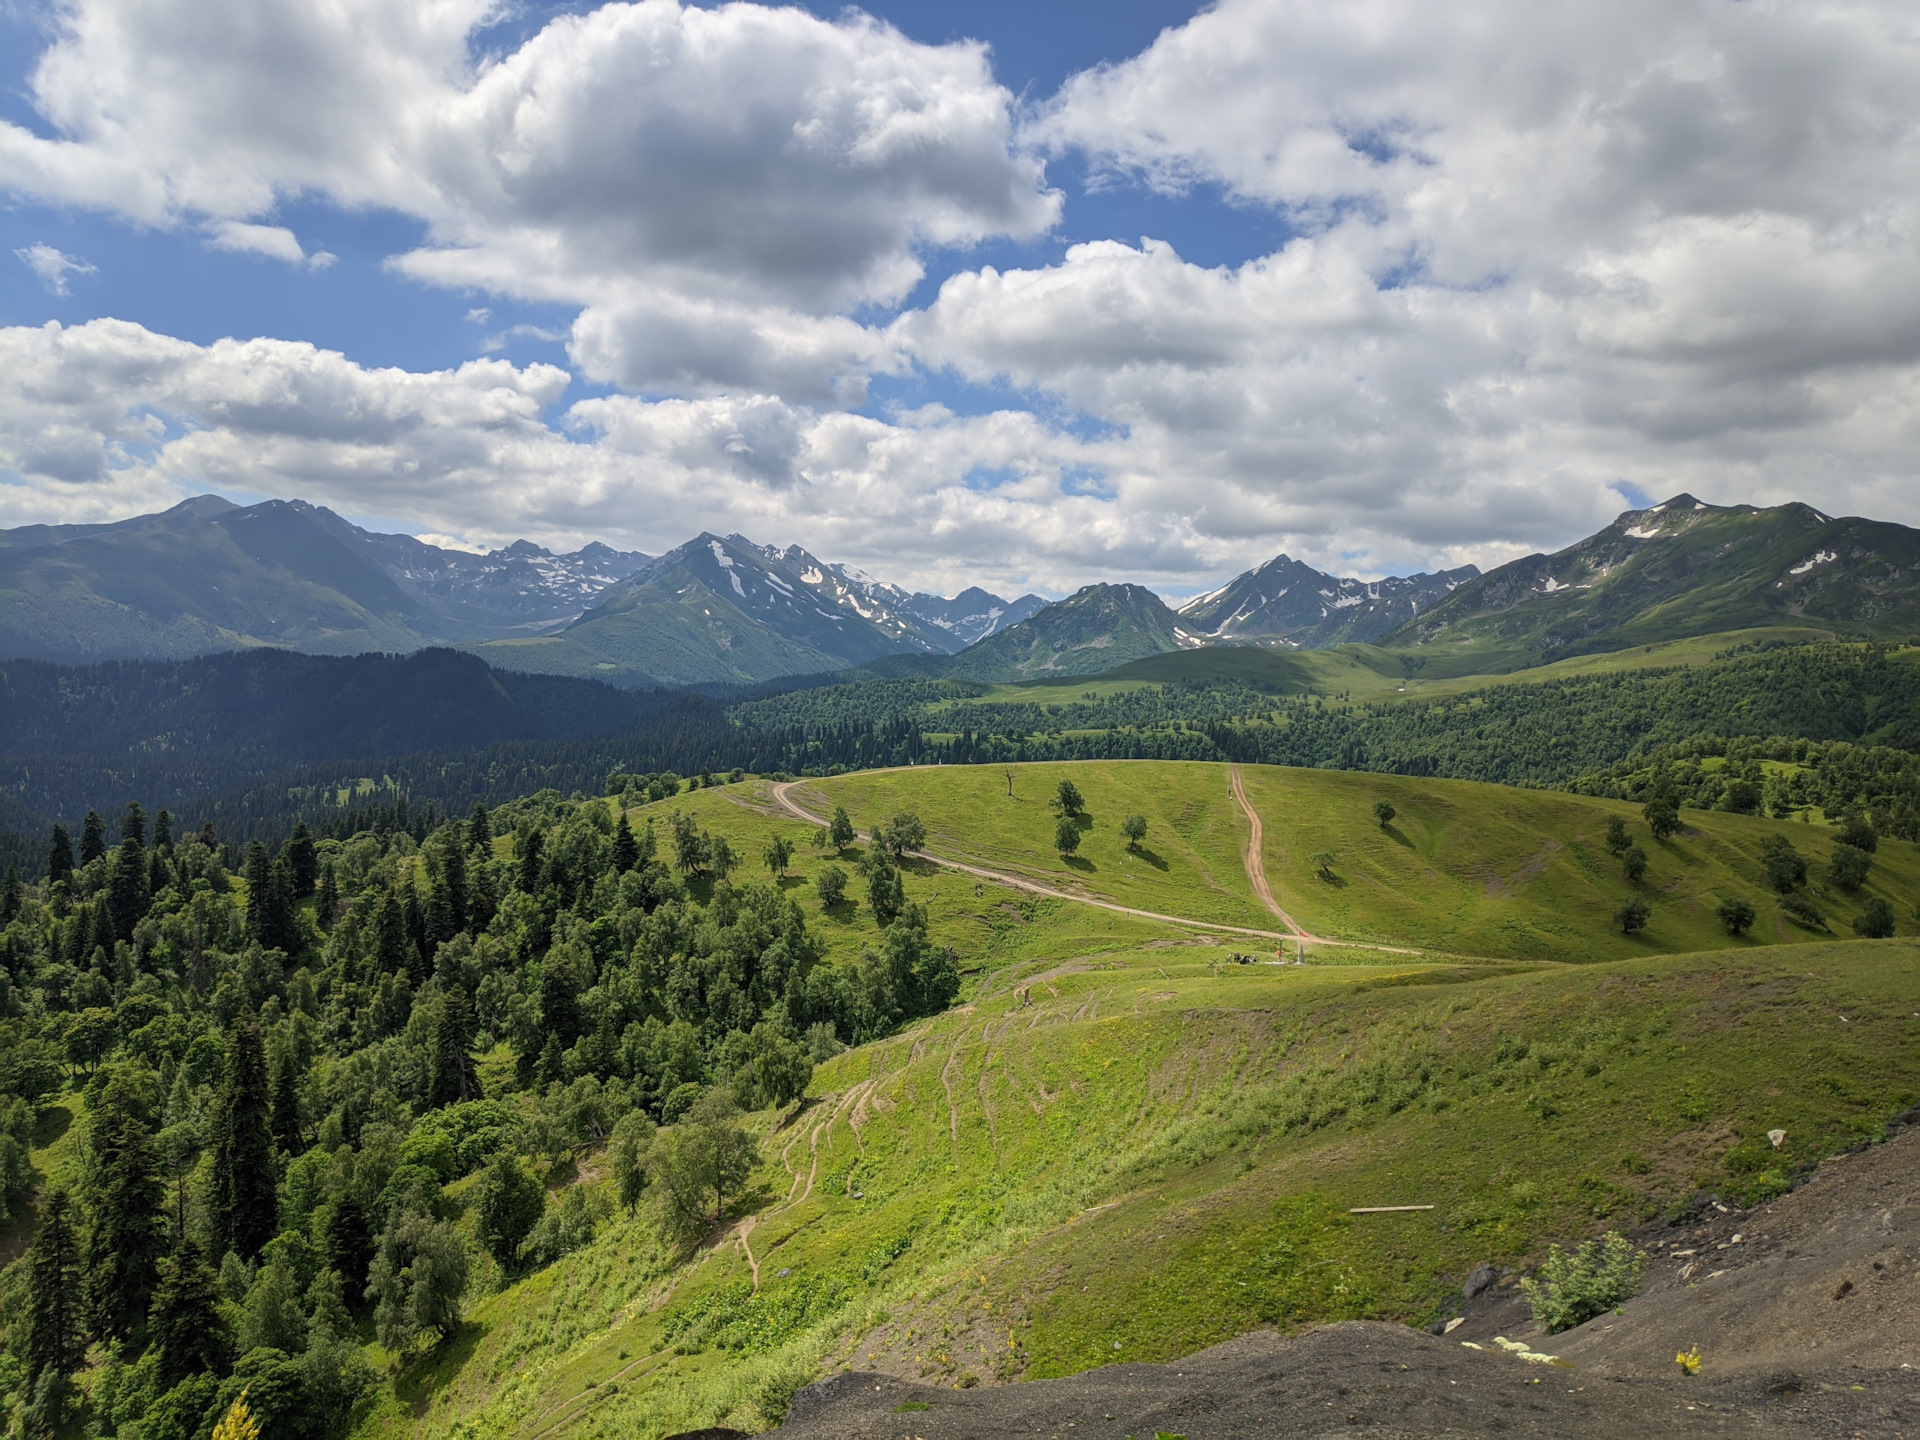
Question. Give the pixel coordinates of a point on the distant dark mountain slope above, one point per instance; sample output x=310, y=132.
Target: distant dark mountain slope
x=1289, y=603
x=1680, y=569
x=1092, y=630
x=294, y=708
x=208, y=575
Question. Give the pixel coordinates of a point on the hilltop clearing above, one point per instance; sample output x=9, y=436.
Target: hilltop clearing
x=1461, y=868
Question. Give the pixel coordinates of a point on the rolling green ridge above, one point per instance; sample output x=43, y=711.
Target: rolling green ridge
x=1112, y=1143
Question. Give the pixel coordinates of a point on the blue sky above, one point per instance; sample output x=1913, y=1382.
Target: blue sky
x=1388, y=289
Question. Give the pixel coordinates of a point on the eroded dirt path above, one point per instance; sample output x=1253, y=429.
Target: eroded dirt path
x=784, y=799
x=1251, y=856
x=782, y=792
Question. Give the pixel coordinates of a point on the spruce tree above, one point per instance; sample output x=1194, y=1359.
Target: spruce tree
x=93, y=838
x=280, y=933
x=162, y=830
x=530, y=850
x=346, y=1239
x=256, y=871
x=480, y=830
x=560, y=999
x=326, y=908
x=124, y=1243
x=389, y=936
x=303, y=861
x=60, y=855
x=418, y=946
x=453, y=880
x=133, y=824
x=128, y=894
x=454, y=1077
x=55, y=1343
x=287, y=1129
x=188, y=1332
x=11, y=896
x=626, y=850
x=242, y=1209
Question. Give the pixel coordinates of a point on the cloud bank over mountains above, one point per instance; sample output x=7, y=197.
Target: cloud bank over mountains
x=1540, y=261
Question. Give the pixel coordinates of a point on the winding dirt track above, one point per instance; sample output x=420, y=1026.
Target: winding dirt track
x=783, y=797
x=1252, y=856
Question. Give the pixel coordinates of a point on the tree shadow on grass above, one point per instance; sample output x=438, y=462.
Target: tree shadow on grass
x=430, y=1370
x=1143, y=853
x=1329, y=877
x=1393, y=833
x=1080, y=863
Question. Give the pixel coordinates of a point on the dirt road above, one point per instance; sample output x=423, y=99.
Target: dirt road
x=783, y=798
x=1252, y=857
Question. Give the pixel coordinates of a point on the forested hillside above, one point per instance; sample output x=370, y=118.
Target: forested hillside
x=281, y=1078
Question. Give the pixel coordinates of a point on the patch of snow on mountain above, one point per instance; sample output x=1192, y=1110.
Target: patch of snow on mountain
x=1820, y=557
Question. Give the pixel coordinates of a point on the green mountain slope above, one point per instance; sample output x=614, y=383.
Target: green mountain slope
x=1679, y=569
x=205, y=575
x=1092, y=630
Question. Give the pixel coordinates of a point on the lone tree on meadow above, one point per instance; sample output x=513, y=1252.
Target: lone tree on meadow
x=1632, y=917
x=1634, y=861
x=1323, y=861
x=840, y=830
x=1068, y=800
x=1384, y=812
x=778, y=855
x=1617, y=838
x=1876, y=921
x=1662, y=817
x=1066, y=835
x=1736, y=914
x=1134, y=828
x=831, y=883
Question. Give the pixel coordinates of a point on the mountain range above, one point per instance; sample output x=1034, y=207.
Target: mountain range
x=209, y=576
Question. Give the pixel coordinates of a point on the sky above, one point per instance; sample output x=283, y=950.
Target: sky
x=1021, y=295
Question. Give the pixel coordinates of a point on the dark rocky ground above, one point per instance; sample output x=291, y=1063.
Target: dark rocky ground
x=1806, y=1313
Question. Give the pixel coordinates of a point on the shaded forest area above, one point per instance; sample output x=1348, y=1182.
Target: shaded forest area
x=488, y=737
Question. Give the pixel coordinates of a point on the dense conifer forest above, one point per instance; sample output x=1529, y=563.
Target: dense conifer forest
x=279, y=1076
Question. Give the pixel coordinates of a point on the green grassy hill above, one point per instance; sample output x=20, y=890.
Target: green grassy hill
x=1472, y=869
x=1118, y=1144
x=1148, y=1154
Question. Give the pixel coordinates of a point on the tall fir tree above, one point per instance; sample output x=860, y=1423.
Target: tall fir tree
x=12, y=896
x=346, y=1239
x=626, y=849
x=124, y=1242
x=279, y=931
x=60, y=855
x=303, y=861
x=242, y=1209
x=163, y=831
x=389, y=936
x=256, y=869
x=453, y=878
x=531, y=848
x=480, y=830
x=560, y=999
x=128, y=892
x=326, y=906
x=56, y=1343
x=454, y=1077
x=418, y=946
x=93, y=838
x=133, y=824
x=287, y=1130
x=188, y=1332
